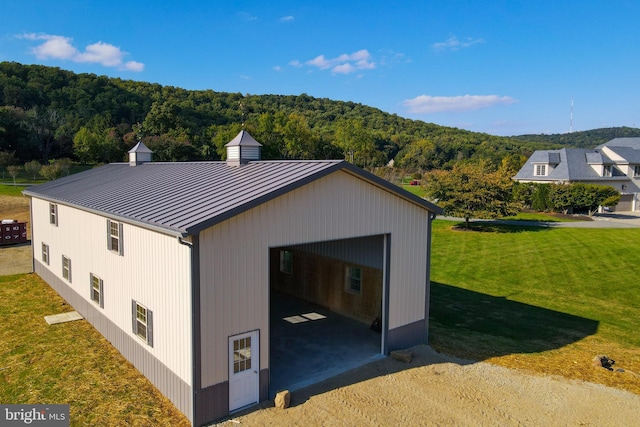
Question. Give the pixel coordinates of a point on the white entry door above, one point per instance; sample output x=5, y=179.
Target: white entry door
x=244, y=368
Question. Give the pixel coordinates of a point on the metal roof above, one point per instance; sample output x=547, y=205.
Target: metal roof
x=187, y=197
x=574, y=165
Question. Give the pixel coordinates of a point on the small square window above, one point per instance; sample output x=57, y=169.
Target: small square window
x=241, y=355
x=114, y=236
x=286, y=261
x=96, y=290
x=66, y=268
x=142, y=322
x=607, y=170
x=636, y=171
x=45, y=253
x=354, y=280
x=53, y=214
x=541, y=170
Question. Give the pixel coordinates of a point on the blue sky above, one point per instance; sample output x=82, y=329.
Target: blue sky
x=501, y=67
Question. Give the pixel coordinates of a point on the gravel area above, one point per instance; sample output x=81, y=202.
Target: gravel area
x=438, y=390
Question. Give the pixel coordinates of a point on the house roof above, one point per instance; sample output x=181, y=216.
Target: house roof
x=184, y=198
x=622, y=142
x=573, y=165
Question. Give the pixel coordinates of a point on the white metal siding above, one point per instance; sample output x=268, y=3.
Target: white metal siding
x=155, y=270
x=234, y=257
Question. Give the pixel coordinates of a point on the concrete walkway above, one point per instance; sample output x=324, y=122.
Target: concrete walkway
x=604, y=220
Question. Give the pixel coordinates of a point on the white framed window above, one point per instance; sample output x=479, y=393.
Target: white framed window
x=114, y=236
x=96, y=290
x=636, y=171
x=142, y=322
x=53, y=214
x=354, y=280
x=540, y=170
x=241, y=354
x=286, y=261
x=66, y=267
x=607, y=170
x=45, y=253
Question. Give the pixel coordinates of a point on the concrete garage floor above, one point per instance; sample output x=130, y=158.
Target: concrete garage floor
x=316, y=346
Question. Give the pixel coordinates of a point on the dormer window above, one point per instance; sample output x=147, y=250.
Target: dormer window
x=607, y=170
x=541, y=170
x=636, y=171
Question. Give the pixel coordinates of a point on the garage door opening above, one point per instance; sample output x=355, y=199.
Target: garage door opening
x=326, y=310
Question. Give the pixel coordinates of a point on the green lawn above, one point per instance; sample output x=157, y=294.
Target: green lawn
x=11, y=190
x=543, y=299
x=69, y=363
x=590, y=273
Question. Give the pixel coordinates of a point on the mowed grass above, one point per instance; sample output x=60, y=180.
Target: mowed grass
x=70, y=363
x=548, y=300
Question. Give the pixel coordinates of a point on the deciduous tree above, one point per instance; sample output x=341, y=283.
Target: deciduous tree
x=472, y=190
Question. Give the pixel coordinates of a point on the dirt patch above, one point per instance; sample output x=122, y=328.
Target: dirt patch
x=15, y=259
x=435, y=389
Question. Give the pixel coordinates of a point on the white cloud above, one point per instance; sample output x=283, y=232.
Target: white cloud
x=425, y=104
x=452, y=43
x=343, y=64
x=286, y=18
x=61, y=48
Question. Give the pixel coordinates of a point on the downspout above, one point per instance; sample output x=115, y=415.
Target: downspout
x=194, y=245
x=427, y=297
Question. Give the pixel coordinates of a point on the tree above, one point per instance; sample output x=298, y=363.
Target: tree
x=33, y=168
x=14, y=171
x=51, y=171
x=472, y=190
x=6, y=158
x=578, y=196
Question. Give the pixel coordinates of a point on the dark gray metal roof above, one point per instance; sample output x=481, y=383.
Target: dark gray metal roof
x=622, y=142
x=185, y=198
x=574, y=165
x=245, y=139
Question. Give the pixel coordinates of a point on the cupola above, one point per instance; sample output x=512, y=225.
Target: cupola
x=242, y=149
x=139, y=154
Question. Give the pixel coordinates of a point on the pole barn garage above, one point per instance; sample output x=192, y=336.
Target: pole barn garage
x=224, y=281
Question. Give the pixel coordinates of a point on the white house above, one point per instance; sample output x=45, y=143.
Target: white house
x=176, y=263
x=615, y=163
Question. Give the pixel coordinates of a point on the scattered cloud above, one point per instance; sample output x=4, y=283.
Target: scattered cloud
x=246, y=16
x=389, y=57
x=452, y=43
x=343, y=64
x=286, y=18
x=62, y=48
x=425, y=104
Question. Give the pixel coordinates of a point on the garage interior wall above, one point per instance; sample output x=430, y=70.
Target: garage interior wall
x=323, y=281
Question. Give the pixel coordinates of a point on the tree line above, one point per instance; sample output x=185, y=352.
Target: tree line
x=49, y=113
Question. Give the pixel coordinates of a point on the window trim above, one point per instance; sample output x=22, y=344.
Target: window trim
x=66, y=268
x=286, y=261
x=147, y=323
x=53, y=214
x=93, y=281
x=46, y=258
x=112, y=238
x=351, y=280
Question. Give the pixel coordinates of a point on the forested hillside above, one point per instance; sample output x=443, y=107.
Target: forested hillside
x=48, y=113
x=583, y=139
